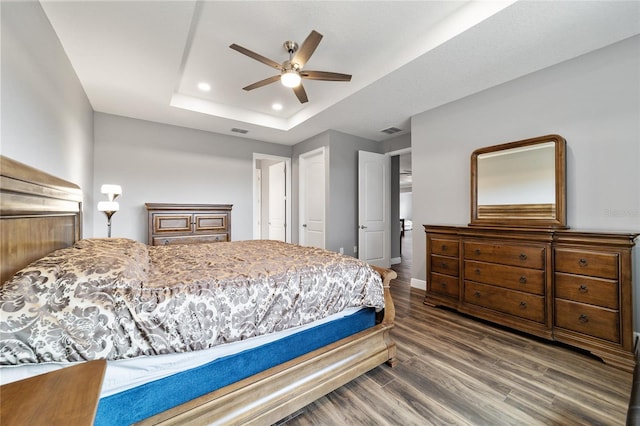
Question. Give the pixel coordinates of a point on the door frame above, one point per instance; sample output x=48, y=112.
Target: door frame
x=398, y=152
x=287, y=160
x=324, y=150
x=277, y=183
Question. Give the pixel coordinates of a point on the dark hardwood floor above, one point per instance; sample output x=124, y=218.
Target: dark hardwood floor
x=456, y=370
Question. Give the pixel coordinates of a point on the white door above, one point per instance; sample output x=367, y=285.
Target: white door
x=277, y=202
x=312, y=198
x=374, y=208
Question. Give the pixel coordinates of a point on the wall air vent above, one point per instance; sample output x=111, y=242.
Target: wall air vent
x=391, y=130
x=236, y=130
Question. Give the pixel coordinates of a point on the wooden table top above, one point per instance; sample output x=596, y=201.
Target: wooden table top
x=68, y=396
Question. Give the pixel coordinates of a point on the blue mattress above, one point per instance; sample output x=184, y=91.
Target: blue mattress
x=155, y=397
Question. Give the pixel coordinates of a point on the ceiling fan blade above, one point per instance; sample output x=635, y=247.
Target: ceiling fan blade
x=262, y=83
x=307, y=48
x=324, y=75
x=301, y=94
x=256, y=56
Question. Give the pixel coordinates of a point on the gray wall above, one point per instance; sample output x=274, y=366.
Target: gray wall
x=47, y=120
x=593, y=101
x=343, y=183
x=158, y=163
x=397, y=143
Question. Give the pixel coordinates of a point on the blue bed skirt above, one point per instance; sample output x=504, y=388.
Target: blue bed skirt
x=155, y=397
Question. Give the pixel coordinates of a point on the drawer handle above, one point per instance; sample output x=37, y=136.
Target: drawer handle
x=523, y=305
x=583, y=288
x=476, y=294
x=583, y=318
x=583, y=262
x=443, y=284
x=165, y=242
x=444, y=247
x=523, y=280
x=478, y=271
x=523, y=256
x=444, y=265
x=477, y=251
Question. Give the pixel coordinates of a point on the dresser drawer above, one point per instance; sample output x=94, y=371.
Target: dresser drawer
x=190, y=239
x=594, y=291
x=445, y=265
x=172, y=223
x=444, y=247
x=587, y=319
x=507, y=254
x=595, y=264
x=523, y=305
x=210, y=222
x=513, y=277
x=444, y=284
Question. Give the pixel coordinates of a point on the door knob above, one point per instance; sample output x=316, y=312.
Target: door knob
x=304, y=225
x=362, y=227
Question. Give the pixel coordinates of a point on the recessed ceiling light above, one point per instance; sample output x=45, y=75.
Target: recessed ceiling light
x=277, y=106
x=205, y=87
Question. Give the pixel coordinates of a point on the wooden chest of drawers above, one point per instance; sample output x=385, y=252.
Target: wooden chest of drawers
x=562, y=285
x=444, y=267
x=188, y=223
x=593, y=295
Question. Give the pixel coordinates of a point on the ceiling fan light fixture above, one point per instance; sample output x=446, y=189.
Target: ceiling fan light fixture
x=291, y=70
x=290, y=78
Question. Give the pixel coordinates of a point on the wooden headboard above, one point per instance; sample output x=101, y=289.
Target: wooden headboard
x=39, y=213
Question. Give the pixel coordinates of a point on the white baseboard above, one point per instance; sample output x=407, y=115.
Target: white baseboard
x=421, y=284
x=396, y=260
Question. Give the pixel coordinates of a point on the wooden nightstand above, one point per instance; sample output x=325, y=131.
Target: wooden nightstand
x=68, y=397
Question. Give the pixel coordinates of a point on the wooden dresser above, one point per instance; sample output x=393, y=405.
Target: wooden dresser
x=188, y=223
x=564, y=285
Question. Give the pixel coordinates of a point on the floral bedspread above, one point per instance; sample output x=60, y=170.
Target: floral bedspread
x=117, y=298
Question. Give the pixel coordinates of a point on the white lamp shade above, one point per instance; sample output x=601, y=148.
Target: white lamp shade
x=290, y=78
x=111, y=189
x=108, y=206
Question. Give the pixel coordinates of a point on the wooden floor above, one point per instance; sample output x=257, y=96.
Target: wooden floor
x=456, y=370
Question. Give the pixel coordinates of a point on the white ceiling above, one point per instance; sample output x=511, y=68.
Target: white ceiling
x=144, y=59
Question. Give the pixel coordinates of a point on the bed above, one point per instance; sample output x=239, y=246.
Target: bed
x=41, y=214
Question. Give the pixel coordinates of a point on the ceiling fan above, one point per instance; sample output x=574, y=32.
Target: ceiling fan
x=291, y=70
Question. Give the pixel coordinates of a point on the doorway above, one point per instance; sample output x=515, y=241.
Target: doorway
x=271, y=199
x=402, y=207
x=406, y=208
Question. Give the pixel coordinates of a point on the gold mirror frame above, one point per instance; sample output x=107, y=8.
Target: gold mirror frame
x=545, y=215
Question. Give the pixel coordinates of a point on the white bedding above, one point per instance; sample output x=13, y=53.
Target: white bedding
x=129, y=373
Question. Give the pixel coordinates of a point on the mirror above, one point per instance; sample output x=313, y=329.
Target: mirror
x=520, y=184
